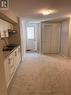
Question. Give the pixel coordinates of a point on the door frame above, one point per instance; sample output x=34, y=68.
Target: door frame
x=35, y=36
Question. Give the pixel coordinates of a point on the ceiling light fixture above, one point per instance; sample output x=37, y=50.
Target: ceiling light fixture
x=46, y=11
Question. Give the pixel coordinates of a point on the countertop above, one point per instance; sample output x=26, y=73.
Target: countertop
x=7, y=53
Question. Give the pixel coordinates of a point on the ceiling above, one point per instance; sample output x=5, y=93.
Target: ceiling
x=28, y=8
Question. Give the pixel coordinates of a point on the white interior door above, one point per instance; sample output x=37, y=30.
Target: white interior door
x=30, y=38
x=46, y=38
x=55, y=38
x=50, y=38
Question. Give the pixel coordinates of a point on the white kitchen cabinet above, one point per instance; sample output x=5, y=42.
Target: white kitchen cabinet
x=4, y=26
x=11, y=64
x=17, y=57
x=1, y=28
x=7, y=71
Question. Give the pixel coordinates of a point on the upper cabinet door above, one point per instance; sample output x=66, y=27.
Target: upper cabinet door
x=6, y=29
x=3, y=28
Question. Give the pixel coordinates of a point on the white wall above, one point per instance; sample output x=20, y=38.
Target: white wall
x=22, y=33
x=65, y=48
x=69, y=38
x=39, y=38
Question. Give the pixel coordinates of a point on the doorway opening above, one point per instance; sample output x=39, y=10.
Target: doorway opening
x=31, y=39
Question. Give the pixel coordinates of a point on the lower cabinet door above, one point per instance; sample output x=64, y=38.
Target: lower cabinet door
x=19, y=55
x=15, y=59
x=7, y=72
x=11, y=66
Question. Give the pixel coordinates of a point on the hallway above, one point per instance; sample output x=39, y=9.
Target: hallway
x=42, y=75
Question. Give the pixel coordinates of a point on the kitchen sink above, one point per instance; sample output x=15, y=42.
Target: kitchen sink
x=9, y=47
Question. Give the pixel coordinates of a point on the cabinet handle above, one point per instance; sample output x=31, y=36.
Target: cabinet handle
x=15, y=53
x=10, y=60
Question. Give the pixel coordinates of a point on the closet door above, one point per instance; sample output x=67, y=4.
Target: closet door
x=46, y=38
x=55, y=38
x=50, y=38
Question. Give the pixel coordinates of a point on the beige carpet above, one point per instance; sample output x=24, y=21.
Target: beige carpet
x=42, y=75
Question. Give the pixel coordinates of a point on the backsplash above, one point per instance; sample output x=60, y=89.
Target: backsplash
x=4, y=42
